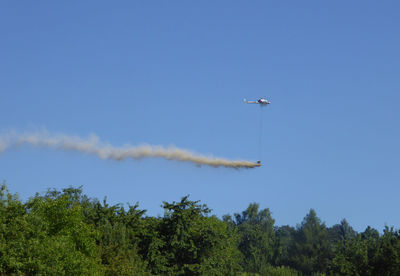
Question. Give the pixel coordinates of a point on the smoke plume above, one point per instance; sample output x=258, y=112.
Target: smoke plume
x=94, y=146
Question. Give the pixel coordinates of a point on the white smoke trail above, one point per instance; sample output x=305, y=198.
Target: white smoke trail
x=94, y=146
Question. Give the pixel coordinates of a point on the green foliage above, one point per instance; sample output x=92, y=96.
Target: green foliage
x=284, y=241
x=46, y=235
x=281, y=271
x=351, y=257
x=118, y=242
x=273, y=271
x=341, y=232
x=67, y=233
x=193, y=243
x=387, y=258
x=257, y=238
x=310, y=251
x=369, y=254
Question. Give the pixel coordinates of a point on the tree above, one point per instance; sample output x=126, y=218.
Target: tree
x=257, y=238
x=119, y=237
x=311, y=251
x=341, y=232
x=351, y=257
x=194, y=243
x=387, y=258
x=284, y=241
x=46, y=235
x=13, y=232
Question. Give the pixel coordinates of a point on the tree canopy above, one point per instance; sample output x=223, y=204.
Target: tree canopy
x=67, y=233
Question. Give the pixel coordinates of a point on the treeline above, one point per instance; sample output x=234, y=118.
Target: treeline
x=67, y=233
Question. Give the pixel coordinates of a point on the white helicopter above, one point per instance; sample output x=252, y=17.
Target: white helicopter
x=261, y=101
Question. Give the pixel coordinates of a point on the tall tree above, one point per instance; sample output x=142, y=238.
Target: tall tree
x=311, y=251
x=257, y=238
x=341, y=232
x=194, y=243
x=387, y=258
x=46, y=235
x=284, y=241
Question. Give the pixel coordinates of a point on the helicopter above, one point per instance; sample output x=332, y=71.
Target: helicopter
x=261, y=101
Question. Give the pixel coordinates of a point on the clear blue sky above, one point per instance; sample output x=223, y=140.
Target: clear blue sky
x=175, y=72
